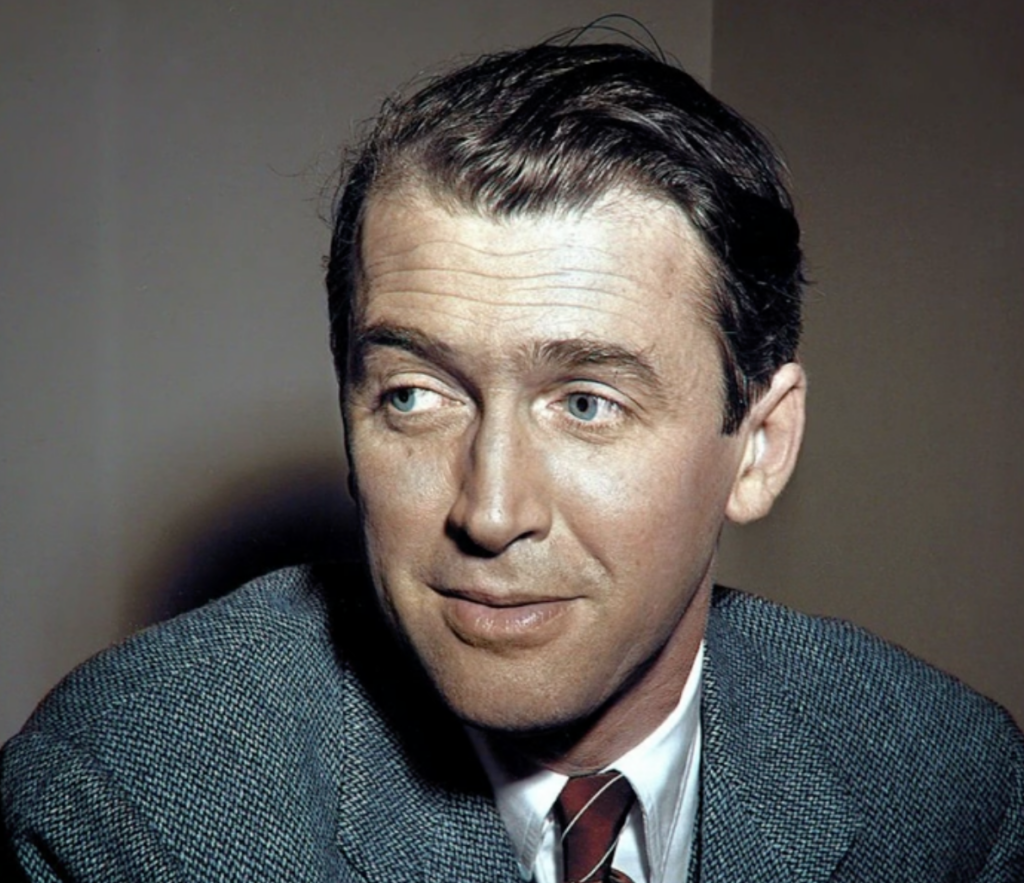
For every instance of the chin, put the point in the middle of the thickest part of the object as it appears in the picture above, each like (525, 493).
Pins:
(518, 709)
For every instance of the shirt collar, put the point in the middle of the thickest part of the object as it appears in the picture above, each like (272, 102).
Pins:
(656, 768)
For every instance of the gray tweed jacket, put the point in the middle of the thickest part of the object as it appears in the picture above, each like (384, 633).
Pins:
(238, 743)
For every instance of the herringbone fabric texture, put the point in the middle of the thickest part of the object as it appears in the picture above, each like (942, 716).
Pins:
(591, 811)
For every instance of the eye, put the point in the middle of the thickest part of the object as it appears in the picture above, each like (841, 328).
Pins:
(582, 406)
(411, 399)
(588, 407)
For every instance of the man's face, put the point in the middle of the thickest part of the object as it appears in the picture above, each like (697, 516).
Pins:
(534, 412)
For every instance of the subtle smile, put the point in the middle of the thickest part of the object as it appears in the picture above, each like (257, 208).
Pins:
(491, 621)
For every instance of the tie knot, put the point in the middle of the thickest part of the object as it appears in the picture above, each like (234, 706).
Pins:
(592, 811)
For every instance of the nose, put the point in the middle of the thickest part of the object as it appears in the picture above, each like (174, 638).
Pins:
(503, 493)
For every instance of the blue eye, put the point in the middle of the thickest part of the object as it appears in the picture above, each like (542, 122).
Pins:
(403, 399)
(412, 400)
(583, 406)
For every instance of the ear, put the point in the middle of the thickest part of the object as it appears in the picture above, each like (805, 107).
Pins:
(771, 432)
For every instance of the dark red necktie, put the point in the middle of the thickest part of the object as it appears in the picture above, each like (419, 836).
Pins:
(592, 811)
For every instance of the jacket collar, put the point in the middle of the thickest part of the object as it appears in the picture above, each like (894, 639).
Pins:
(773, 804)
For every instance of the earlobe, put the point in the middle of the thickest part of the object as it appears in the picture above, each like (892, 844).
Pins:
(772, 432)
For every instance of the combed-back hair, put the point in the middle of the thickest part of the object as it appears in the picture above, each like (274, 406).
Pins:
(554, 128)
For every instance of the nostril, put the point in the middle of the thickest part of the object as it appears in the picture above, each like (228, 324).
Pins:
(466, 544)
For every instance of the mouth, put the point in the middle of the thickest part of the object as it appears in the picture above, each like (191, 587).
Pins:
(503, 620)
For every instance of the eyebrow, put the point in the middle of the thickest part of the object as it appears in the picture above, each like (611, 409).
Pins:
(410, 340)
(567, 355)
(576, 353)
(391, 336)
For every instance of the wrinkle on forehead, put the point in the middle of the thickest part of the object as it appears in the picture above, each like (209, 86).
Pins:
(500, 263)
(496, 255)
(442, 270)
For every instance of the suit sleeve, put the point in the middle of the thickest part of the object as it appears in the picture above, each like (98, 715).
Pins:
(1005, 862)
(65, 819)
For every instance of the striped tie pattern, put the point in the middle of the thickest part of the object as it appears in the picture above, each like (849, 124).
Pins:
(592, 811)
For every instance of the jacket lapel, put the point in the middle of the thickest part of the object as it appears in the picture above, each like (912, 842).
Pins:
(413, 802)
(773, 806)
(396, 824)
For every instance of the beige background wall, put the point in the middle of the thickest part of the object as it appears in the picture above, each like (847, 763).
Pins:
(165, 388)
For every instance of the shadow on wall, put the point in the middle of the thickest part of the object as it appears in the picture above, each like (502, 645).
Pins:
(300, 514)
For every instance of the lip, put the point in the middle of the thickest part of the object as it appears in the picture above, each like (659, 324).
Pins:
(500, 620)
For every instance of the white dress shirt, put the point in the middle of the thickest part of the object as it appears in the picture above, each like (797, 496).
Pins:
(664, 771)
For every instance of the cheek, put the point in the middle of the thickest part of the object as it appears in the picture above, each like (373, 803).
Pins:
(402, 492)
(649, 504)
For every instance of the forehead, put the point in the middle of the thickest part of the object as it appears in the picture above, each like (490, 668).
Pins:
(486, 295)
(644, 247)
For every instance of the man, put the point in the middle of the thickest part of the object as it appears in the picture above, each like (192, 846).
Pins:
(565, 296)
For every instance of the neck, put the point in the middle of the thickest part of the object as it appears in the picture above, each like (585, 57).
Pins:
(628, 717)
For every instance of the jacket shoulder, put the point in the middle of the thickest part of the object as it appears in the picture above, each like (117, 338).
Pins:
(936, 769)
(229, 716)
(195, 662)
(846, 669)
